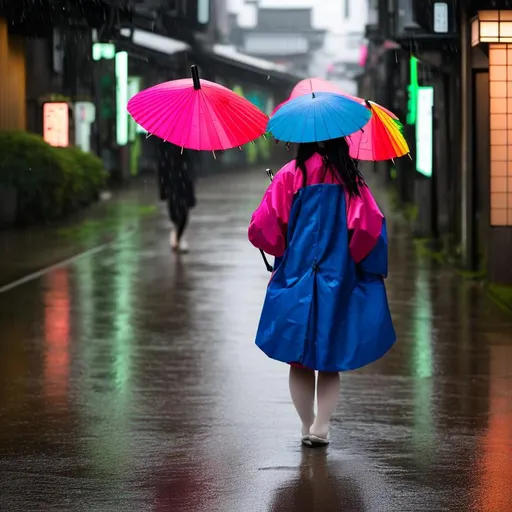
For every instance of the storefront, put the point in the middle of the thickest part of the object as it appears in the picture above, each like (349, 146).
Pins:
(154, 58)
(12, 79)
(488, 170)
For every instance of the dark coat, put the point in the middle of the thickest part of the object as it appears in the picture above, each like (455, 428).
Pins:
(176, 181)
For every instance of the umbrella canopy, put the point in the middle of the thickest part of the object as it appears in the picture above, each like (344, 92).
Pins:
(381, 139)
(317, 117)
(311, 85)
(278, 107)
(197, 114)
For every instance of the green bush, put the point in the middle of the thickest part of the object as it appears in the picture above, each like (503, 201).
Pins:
(86, 177)
(50, 182)
(95, 175)
(71, 183)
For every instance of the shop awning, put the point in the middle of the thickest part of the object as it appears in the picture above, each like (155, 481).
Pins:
(229, 55)
(152, 41)
(222, 58)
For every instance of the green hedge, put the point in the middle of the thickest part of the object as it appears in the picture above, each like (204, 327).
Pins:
(51, 182)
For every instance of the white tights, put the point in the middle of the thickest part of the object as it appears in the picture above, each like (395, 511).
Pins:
(302, 391)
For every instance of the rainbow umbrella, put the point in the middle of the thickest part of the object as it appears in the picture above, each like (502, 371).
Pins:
(381, 139)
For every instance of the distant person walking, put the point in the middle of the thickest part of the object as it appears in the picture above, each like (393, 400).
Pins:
(177, 187)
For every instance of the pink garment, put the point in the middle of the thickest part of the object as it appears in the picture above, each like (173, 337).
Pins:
(269, 223)
(363, 55)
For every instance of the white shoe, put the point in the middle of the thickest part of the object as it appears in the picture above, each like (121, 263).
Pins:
(183, 245)
(304, 433)
(174, 241)
(317, 441)
(305, 440)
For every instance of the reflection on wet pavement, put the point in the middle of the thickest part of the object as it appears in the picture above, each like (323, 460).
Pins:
(129, 381)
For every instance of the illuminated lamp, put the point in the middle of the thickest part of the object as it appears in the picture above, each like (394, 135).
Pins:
(491, 27)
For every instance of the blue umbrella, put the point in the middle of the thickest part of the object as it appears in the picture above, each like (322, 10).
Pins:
(317, 117)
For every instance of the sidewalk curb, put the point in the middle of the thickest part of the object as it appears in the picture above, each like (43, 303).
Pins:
(477, 277)
(503, 304)
(63, 263)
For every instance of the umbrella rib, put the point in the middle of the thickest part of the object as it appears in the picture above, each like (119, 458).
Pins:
(248, 122)
(335, 116)
(241, 118)
(325, 122)
(149, 101)
(213, 110)
(304, 125)
(248, 114)
(158, 122)
(175, 120)
(191, 102)
(384, 139)
(226, 127)
(171, 112)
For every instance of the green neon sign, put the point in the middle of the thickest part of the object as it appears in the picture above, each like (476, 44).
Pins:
(103, 51)
(424, 130)
(412, 89)
(121, 98)
(133, 88)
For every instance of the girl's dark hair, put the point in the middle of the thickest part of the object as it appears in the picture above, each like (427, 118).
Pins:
(336, 157)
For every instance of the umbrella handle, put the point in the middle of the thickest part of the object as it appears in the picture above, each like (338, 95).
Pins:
(270, 268)
(195, 77)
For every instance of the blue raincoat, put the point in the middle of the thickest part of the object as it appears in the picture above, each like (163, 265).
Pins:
(322, 309)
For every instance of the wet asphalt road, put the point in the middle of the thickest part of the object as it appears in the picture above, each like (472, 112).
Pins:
(129, 381)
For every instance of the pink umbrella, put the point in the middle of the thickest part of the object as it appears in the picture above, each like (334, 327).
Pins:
(311, 85)
(197, 114)
(278, 107)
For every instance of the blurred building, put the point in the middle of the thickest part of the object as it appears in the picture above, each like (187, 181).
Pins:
(45, 51)
(341, 58)
(92, 55)
(442, 67)
(284, 36)
(47, 60)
